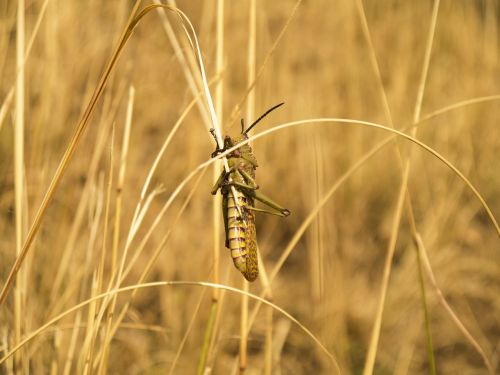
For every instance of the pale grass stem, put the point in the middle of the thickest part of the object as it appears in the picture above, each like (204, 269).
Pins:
(250, 104)
(372, 349)
(217, 201)
(116, 229)
(186, 61)
(20, 206)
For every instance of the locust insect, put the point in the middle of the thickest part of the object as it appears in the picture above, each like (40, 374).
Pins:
(238, 204)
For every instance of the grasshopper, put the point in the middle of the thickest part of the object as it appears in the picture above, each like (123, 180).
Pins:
(238, 204)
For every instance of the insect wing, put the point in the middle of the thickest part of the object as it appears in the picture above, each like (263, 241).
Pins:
(251, 244)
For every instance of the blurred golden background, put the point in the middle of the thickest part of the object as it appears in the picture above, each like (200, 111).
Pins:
(392, 63)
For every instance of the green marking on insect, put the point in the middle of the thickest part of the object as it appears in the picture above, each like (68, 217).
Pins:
(238, 204)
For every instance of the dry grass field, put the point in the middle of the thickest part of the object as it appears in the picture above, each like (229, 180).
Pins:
(390, 260)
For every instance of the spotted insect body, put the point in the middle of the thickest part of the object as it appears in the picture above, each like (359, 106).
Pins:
(239, 203)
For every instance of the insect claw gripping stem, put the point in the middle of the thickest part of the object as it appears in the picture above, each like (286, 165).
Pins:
(217, 149)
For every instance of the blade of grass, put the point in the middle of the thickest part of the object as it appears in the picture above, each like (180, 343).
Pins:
(217, 201)
(251, 42)
(20, 67)
(372, 349)
(116, 230)
(186, 61)
(422, 145)
(189, 329)
(19, 183)
(5, 106)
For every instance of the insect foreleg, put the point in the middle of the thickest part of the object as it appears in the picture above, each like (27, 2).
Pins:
(219, 182)
(268, 202)
(240, 185)
(250, 185)
(251, 182)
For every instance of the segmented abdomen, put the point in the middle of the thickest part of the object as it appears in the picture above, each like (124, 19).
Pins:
(241, 235)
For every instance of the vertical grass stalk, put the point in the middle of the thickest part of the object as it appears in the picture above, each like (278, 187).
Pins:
(252, 40)
(370, 359)
(116, 229)
(217, 201)
(19, 182)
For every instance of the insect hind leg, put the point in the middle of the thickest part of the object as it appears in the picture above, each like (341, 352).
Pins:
(281, 211)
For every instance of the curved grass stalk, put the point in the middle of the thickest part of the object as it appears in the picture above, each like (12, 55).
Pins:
(183, 183)
(186, 61)
(296, 123)
(200, 167)
(463, 103)
(381, 127)
(298, 234)
(357, 122)
(267, 292)
(168, 283)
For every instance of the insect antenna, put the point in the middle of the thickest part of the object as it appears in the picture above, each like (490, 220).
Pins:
(242, 126)
(260, 118)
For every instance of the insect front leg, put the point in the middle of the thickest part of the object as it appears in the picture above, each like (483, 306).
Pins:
(251, 182)
(217, 149)
(280, 211)
(250, 185)
(219, 183)
(240, 185)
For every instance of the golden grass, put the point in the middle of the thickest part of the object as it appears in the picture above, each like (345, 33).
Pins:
(388, 263)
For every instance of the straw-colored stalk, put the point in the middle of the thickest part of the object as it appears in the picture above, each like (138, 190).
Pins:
(372, 350)
(19, 184)
(252, 40)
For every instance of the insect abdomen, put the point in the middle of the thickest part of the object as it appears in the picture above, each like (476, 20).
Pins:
(241, 236)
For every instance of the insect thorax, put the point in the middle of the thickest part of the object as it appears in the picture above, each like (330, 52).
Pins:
(243, 154)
